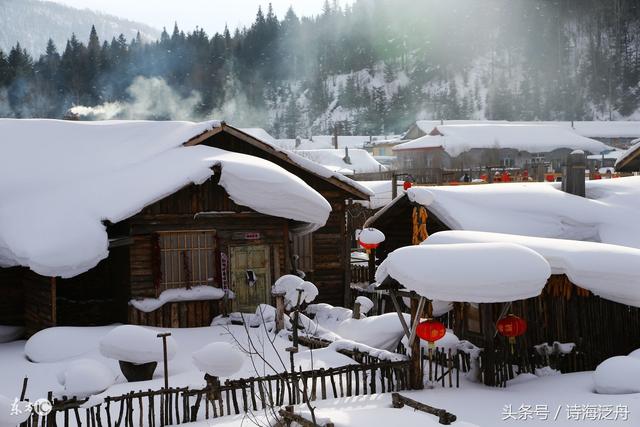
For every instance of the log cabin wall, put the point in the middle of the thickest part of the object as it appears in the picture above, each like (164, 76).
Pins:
(233, 225)
(94, 297)
(40, 310)
(330, 243)
(566, 313)
(12, 291)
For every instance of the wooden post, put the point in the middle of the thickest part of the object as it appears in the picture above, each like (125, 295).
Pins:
(356, 310)
(394, 186)
(279, 311)
(372, 265)
(164, 336)
(415, 372)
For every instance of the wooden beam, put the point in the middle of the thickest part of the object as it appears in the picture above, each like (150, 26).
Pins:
(204, 136)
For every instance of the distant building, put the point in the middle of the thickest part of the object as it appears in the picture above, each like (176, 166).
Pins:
(495, 144)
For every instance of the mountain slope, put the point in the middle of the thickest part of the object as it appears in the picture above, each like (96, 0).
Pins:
(19, 19)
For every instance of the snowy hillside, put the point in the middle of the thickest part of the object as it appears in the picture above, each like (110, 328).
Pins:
(18, 18)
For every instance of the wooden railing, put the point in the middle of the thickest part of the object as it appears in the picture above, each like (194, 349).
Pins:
(182, 405)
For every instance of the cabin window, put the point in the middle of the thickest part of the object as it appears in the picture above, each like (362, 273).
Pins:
(187, 258)
(474, 324)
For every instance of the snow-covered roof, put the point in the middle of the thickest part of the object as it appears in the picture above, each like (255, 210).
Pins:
(433, 271)
(259, 133)
(312, 166)
(351, 141)
(533, 138)
(612, 155)
(609, 271)
(590, 129)
(382, 193)
(629, 155)
(59, 180)
(608, 214)
(360, 161)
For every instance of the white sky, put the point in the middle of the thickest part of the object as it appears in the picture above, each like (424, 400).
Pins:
(208, 14)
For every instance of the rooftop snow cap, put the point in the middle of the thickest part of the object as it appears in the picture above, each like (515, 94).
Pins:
(433, 271)
(607, 214)
(609, 271)
(59, 180)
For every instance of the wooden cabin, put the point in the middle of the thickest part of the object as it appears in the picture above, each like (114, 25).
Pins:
(195, 236)
(324, 255)
(564, 312)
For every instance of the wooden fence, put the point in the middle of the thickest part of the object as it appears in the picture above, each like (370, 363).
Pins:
(248, 395)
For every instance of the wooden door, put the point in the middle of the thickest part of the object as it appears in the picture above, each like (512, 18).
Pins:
(250, 262)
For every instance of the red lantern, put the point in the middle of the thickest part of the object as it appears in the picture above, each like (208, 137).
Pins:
(407, 185)
(368, 246)
(431, 330)
(511, 327)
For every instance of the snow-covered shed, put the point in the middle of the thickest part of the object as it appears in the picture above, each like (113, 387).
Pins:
(629, 161)
(591, 243)
(146, 222)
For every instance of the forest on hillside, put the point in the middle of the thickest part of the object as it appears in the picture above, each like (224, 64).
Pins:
(371, 68)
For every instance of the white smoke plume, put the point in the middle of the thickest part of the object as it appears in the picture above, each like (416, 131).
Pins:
(151, 98)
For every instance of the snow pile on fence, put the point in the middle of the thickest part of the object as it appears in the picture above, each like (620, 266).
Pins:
(85, 173)
(349, 345)
(618, 375)
(135, 344)
(219, 359)
(292, 286)
(196, 293)
(609, 271)
(434, 271)
(384, 331)
(85, 377)
(608, 214)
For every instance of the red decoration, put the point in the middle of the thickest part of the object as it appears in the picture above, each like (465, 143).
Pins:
(431, 330)
(549, 178)
(512, 326)
(407, 185)
(368, 246)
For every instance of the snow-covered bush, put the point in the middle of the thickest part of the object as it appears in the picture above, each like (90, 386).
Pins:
(618, 375)
(11, 413)
(85, 377)
(219, 359)
(290, 285)
(135, 344)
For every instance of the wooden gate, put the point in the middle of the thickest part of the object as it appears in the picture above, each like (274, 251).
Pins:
(250, 273)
